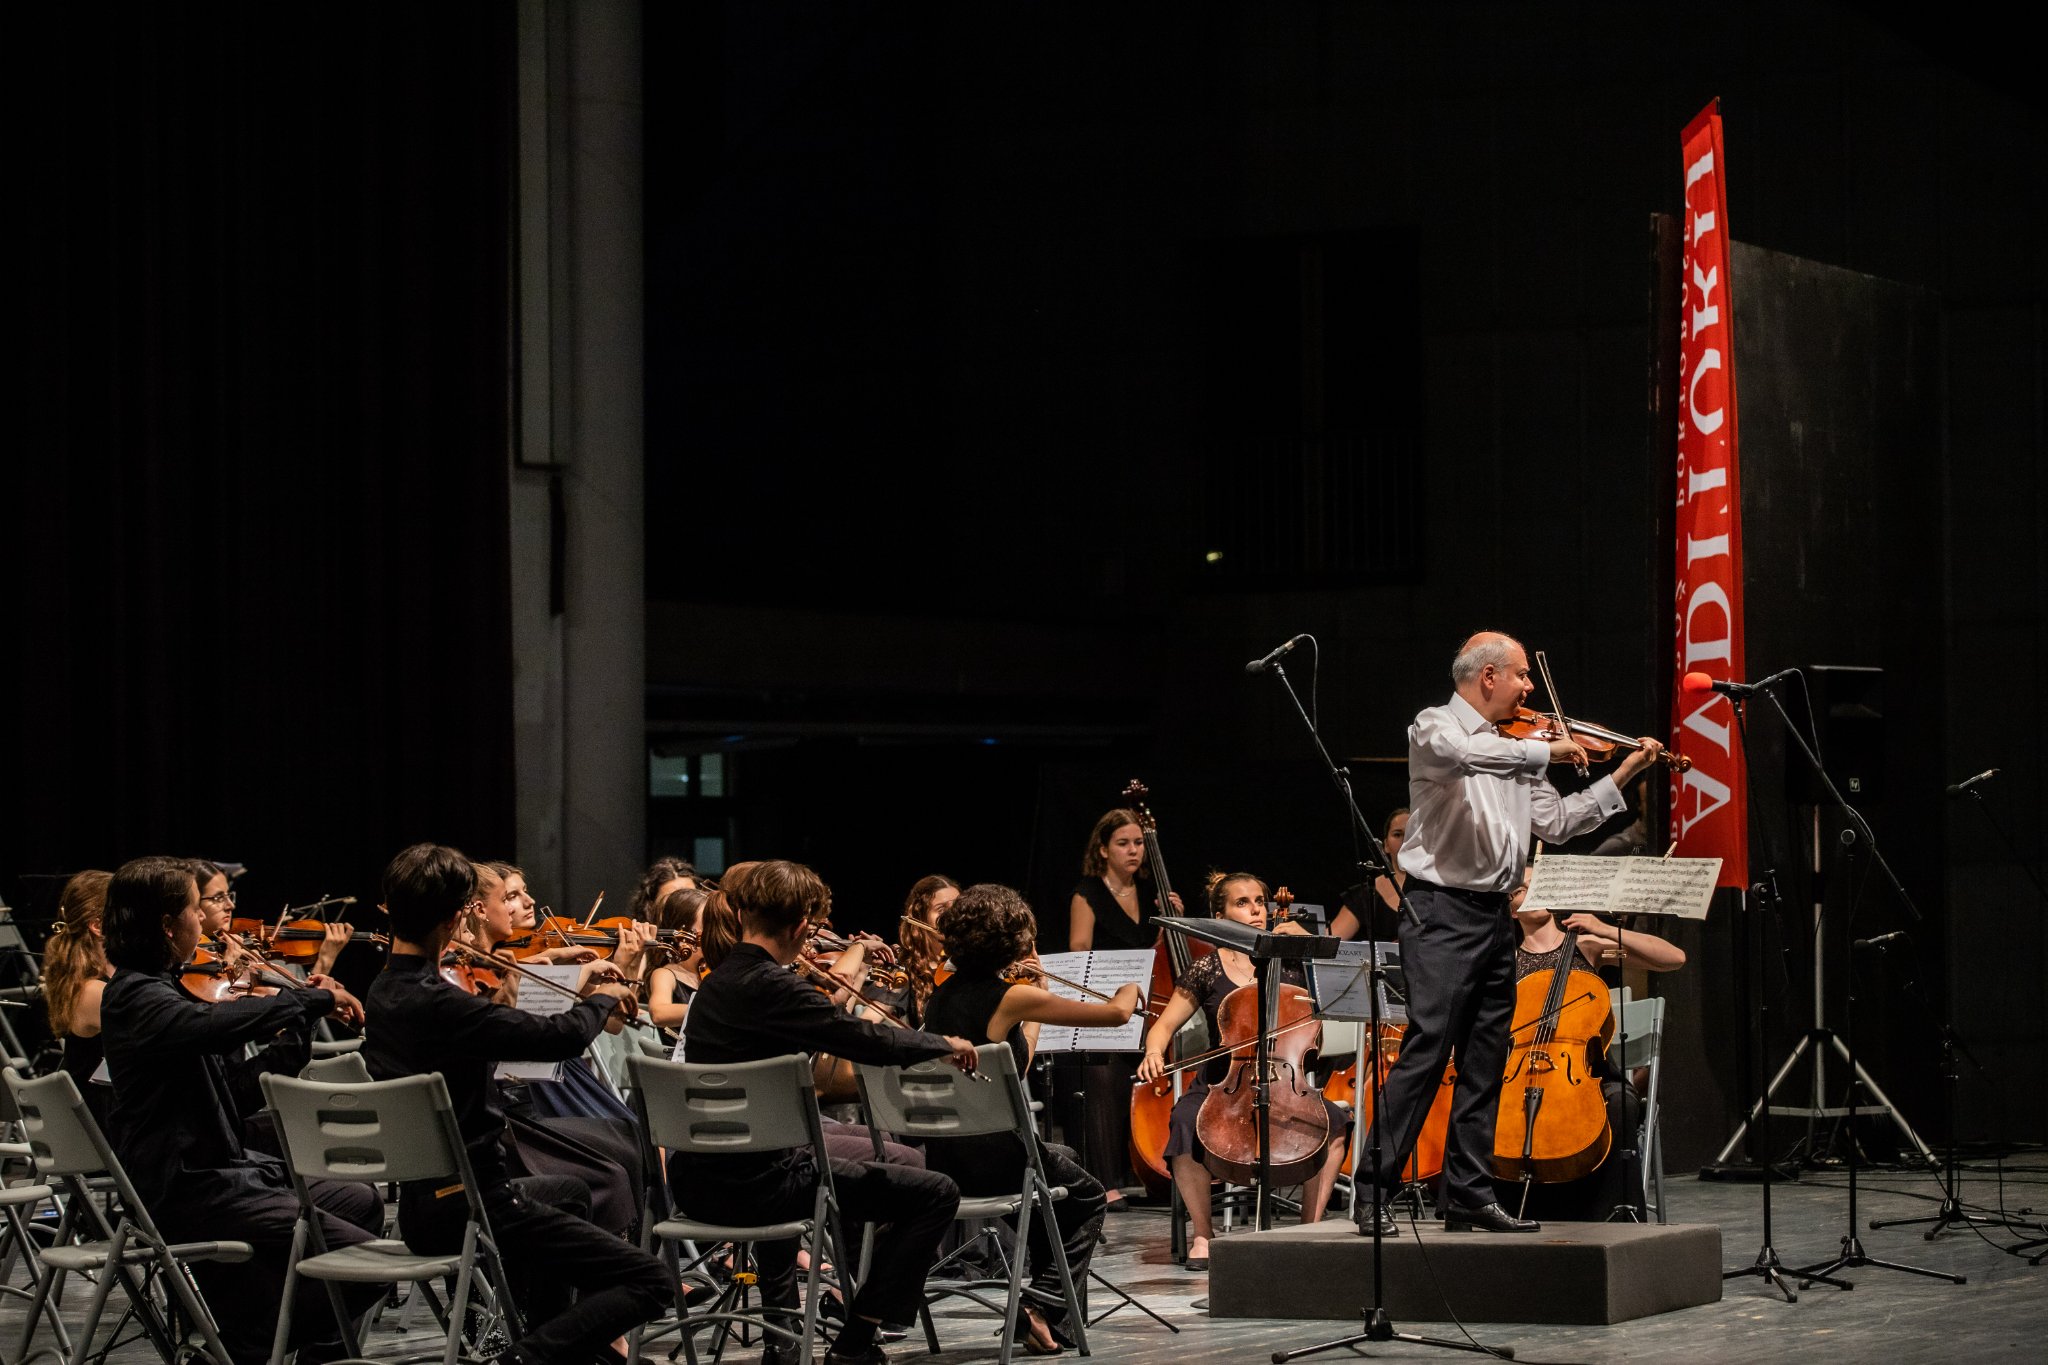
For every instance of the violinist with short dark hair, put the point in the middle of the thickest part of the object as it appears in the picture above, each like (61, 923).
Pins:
(178, 1128)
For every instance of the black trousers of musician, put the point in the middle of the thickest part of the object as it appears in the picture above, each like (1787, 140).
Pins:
(993, 1164)
(578, 1286)
(244, 1297)
(913, 1208)
(1458, 956)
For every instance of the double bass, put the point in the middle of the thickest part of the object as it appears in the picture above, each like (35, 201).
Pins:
(1172, 956)
(1553, 1114)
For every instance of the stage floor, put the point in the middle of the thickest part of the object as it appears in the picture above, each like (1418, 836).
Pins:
(2001, 1314)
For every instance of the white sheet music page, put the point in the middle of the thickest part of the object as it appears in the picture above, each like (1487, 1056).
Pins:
(538, 1000)
(1102, 971)
(1680, 887)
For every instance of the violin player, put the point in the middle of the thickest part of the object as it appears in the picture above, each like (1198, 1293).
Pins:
(752, 1007)
(541, 1222)
(1476, 798)
(1240, 897)
(988, 931)
(178, 1126)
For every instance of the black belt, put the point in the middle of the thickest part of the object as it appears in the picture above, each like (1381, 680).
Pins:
(1485, 900)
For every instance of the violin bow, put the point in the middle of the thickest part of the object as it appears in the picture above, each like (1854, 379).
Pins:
(1557, 716)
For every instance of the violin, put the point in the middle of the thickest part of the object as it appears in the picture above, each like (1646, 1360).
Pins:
(466, 974)
(294, 940)
(1599, 742)
(1553, 1115)
(209, 977)
(600, 936)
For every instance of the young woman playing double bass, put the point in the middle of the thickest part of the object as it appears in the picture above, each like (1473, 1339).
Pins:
(1241, 897)
(1111, 908)
(988, 930)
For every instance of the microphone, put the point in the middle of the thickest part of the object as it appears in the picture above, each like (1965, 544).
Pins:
(1958, 788)
(1261, 665)
(1704, 682)
(1881, 939)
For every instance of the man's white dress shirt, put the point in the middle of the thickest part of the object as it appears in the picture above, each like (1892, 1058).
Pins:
(1475, 797)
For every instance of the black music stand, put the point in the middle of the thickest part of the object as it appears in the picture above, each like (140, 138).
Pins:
(1267, 952)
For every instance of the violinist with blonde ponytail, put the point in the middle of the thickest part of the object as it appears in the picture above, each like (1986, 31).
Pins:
(75, 975)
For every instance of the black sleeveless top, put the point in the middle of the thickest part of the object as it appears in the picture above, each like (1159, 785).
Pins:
(963, 1005)
(82, 1059)
(1113, 927)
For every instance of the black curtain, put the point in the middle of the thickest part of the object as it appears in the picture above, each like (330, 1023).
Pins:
(259, 510)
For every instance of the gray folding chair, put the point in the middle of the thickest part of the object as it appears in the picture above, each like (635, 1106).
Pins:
(1642, 1024)
(381, 1131)
(69, 1149)
(938, 1100)
(337, 1068)
(766, 1106)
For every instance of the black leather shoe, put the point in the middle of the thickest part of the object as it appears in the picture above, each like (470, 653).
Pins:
(1491, 1218)
(1390, 1226)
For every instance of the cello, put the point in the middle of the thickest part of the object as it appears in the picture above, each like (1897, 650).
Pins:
(1553, 1114)
(1172, 956)
(1298, 1124)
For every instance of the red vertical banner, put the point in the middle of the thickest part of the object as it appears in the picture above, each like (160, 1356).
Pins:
(1709, 805)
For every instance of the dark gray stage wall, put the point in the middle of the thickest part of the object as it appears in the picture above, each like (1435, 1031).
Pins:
(1838, 385)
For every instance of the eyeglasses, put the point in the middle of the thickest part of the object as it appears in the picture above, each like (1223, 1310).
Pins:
(218, 898)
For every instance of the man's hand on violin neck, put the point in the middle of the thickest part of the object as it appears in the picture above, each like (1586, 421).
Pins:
(1639, 760)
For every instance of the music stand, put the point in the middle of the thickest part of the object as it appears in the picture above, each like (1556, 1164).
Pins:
(1267, 952)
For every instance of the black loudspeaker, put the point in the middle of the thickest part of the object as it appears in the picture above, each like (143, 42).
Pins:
(1848, 722)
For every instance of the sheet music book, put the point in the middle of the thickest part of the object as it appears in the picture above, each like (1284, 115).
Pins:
(539, 1000)
(1682, 887)
(1104, 971)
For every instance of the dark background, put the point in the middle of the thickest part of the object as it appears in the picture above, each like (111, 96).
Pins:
(972, 334)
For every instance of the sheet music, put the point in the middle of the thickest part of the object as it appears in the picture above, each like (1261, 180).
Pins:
(1680, 887)
(543, 1003)
(1339, 984)
(1102, 971)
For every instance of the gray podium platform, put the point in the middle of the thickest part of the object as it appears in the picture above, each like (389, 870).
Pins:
(1567, 1273)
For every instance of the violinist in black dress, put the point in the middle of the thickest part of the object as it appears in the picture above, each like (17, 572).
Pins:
(989, 931)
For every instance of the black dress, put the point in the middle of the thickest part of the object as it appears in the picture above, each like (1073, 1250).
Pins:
(1209, 986)
(992, 1163)
(1092, 1090)
(82, 1059)
(1614, 1183)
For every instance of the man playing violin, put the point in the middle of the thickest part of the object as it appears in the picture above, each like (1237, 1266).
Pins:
(425, 1024)
(1476, 798)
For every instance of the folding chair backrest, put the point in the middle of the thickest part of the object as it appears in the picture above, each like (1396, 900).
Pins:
(341, 1068)
(59, 1128)
(937, 1100)
(383, 1130)
(1341, 1037)
(1642, 1025)
(765, 1106)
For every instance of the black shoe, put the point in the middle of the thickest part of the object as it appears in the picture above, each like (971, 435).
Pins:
(1491, 1218)
(1390, 1226)
(873, 1355)
(780, 1352)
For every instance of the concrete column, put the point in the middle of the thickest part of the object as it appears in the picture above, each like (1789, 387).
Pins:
(578, 587)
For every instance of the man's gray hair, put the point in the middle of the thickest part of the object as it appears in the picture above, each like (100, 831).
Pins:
(1482, 650)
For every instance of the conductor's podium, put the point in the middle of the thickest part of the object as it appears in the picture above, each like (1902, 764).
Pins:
(1567, 1273)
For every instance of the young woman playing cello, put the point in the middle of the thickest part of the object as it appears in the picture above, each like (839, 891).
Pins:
(1240, 897)
(989, 930)
(1613, 1184)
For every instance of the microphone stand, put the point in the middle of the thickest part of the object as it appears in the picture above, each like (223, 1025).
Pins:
(1853, 1257)
(1379, 1326)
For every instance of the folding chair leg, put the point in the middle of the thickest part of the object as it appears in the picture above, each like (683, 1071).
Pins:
(1077, 1316)
(291, 1284)
(117, 1248)
(40, 1301)
(1016, 1297)
(458, 1309)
